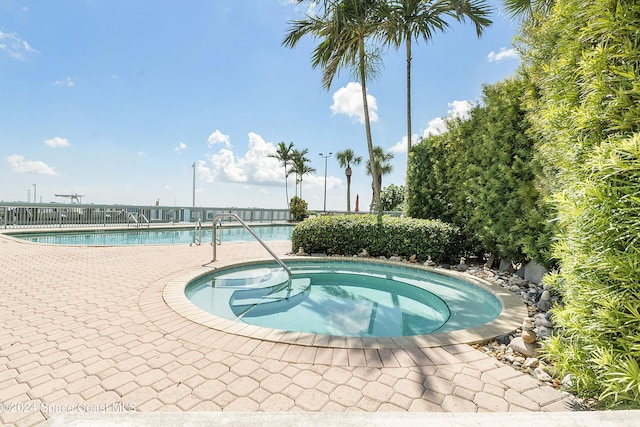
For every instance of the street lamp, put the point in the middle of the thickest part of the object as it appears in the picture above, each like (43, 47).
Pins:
(325, 179)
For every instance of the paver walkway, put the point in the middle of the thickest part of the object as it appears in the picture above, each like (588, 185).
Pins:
(85, 329)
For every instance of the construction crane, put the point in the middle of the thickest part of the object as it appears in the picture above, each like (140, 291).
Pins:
(75, 198)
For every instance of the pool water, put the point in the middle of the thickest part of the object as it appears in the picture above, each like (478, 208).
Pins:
(343, 298)
(156, 236)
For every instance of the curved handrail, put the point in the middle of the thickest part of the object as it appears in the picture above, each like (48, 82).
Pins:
(197, 239)
(246, 227)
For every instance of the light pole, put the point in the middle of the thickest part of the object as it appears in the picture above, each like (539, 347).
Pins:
(325, 179)
(194, 184)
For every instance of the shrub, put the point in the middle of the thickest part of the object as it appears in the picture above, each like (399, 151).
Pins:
(298, 208)
(379, 235)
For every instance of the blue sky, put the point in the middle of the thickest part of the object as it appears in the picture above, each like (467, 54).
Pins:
(115, 100)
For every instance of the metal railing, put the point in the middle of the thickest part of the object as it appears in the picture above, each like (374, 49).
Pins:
(197, 233)
(17, 215)
(255, 236)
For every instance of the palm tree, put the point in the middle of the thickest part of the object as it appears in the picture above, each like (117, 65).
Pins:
(408, 20)
(343, 27)
(300, 167)
(283, 154)
(345, 158)
(383, 166)
(528, 8)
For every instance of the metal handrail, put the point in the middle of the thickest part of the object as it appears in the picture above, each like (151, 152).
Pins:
(198, 227)
(246, 227)
(141, 215)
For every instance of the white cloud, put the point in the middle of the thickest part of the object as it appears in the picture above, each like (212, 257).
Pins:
(460, 110)
(225, 167)
(57, 142)
(401, 146)
(204, 172)
(255, 166)
(457, 110)
(66, 82)
(435, 127)
(348, 101)
(218, 137)
(14, 46)
(181, 147)
(502, 54)
(17, 163)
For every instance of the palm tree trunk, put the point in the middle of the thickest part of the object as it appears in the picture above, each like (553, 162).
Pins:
(374, 170)
(348, 174)
(286, 188)
(406, 180)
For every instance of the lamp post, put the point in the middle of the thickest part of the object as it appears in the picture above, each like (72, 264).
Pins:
(325, 179)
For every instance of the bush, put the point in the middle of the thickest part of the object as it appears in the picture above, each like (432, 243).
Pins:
(298, 208)
(379, 235)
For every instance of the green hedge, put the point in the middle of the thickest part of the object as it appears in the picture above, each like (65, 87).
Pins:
(379, 235)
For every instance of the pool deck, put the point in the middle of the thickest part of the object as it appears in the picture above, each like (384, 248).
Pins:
(87, 334)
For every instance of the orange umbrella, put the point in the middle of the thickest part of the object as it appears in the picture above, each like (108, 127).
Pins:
(357, 202)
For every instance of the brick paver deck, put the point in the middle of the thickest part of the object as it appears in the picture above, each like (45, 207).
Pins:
(86, 329)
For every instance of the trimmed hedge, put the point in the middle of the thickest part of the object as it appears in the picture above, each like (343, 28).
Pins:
(379, 235)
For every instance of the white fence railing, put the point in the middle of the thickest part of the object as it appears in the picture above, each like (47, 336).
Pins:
(48, 215)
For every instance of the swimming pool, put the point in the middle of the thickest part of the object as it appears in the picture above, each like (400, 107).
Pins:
(344, 298)
(154, 236)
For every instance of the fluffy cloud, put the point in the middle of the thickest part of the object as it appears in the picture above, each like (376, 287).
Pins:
(57, 142)
(401, 146)
(17, 163)
(502, 54)
(255, 166)
(348, 101)
(218, 137)
(181, 147)
(14, 46)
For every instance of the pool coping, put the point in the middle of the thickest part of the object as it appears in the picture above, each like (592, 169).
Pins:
(511, 317)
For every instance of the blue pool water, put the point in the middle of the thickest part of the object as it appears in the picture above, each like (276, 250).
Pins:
(366, 299)
(155, 236)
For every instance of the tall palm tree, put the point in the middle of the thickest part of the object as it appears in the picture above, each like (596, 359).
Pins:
(344, 27)
(407, 20)
(300, 167)
(283, 154)
(528, 8)
(345, 158)
(383, 166)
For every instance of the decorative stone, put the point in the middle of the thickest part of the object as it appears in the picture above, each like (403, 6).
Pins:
(395, 258)
(526, 349)
(301, 252)
(531, 362)
(364, 254)
(413, 258)
(533, 272)
(504, 339)
(541, 320)
(505, 264)
(528, 336)
(541, 375)
(517, 281)
(429, 262)
(544, 332)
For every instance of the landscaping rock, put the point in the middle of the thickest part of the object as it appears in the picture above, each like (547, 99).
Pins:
(526, 349)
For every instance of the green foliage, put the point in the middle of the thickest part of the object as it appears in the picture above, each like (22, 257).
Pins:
(393, 198)
(480, 176)
(298, 208)
(379, 235)
(583, 68)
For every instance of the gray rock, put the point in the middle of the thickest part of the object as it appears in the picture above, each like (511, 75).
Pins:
(531, 362)
(517, 281)
(544, 305)
(504, 339)
(505, 264)
(526, 349)
(541, 320)
(541, 375)
(544, 332)
(533, 272)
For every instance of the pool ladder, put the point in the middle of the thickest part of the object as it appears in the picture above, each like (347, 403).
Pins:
(217, 220)
(138, 219)
(197, 233)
